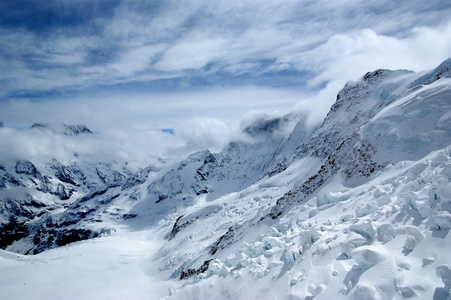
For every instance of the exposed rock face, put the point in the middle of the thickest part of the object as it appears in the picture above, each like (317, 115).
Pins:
(27, 168)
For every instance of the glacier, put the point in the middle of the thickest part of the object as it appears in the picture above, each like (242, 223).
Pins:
(357, 207)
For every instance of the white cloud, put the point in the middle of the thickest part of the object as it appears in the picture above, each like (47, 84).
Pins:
(194, 52)
(137, 59)
(137, 148)
(204, 133)
(239, 37)
(346, 57)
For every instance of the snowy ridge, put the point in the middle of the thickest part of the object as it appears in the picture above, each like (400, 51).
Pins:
(355, 208)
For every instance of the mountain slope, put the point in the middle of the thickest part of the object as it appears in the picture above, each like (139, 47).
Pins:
(349, 149)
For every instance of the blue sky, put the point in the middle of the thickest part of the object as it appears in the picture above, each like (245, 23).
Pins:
(156, 64)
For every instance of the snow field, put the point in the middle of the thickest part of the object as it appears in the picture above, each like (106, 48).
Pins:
(114, 267)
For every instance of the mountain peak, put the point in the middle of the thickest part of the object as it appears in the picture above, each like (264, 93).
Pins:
(63, 129)
(262, 126)
(376, 75)
(442, 71)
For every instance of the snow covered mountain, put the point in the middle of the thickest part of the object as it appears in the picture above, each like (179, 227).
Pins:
(358, 207)
(47, 204)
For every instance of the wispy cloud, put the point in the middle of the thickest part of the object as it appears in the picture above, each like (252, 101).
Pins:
(129, 41)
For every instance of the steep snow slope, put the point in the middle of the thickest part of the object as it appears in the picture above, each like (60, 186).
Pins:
(386, 239)
(356, 208)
